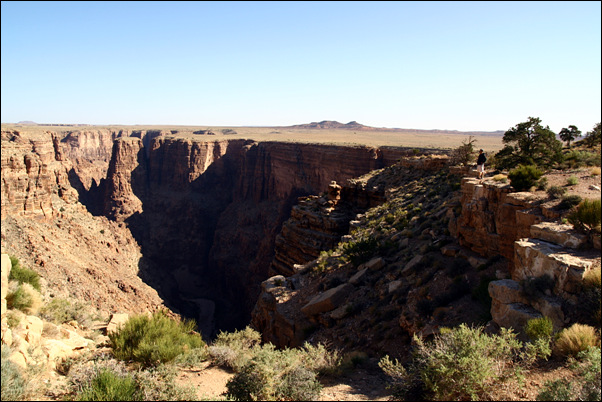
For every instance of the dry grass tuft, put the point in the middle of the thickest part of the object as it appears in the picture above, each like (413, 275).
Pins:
(575, 339)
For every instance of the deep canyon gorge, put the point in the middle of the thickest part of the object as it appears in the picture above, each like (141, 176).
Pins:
(196, 219)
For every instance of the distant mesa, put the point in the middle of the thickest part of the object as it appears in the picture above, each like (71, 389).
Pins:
(203, 132)
(28, 123)
(355, 126)
(332, 125)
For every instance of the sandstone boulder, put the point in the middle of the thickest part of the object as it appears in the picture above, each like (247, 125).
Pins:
(534, 258)
(374, 264)
(412, 263)
(328, 300)
(512, 315)
(116, 321)
(557, 233)
(506, 291)
(358, 277)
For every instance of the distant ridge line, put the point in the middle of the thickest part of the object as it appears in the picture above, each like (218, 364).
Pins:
(354, 125)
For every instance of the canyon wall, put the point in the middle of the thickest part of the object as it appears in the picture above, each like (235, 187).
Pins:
(45, 226)
(541, 253)
(207, 213)
(204, 214)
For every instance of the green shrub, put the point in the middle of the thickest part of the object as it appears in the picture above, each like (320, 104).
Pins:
(193, 357)
(576, 159)
(524, 177)
(464, 363)
(401, 379)
(587, 368)
(576, 338)
(60, 310)
(109, 386)
(587, 216)
(556, 390)
(319, 359)
(500, 177)
(159, 384)
(572, 180)
(235, 349)
(24, 275)
(14, 385)
(274, 374)
(539, 328)
(153, 340)
(556, 192)
(23, 297)
(361, 250)
(542, 184)
(569, 201)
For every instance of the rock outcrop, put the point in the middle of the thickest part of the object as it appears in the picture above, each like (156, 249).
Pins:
(49, 230)
(496, 221)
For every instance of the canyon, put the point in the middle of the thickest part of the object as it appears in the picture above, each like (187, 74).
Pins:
(188, 223)
(358, 248)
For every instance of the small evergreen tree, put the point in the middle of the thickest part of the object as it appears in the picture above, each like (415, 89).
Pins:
(569, 134)
(593, 137)
(529, 143)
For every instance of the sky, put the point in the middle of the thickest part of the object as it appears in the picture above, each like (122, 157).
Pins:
(467, 66)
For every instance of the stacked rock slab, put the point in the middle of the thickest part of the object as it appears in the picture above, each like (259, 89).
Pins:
(554, 250)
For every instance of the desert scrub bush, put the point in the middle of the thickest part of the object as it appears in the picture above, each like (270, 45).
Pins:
(465, 363)
(569, 201)
(555, 192)
(593, 278)
(576, 159)
(502, 178)
(539, 328)
(24, 297)
(587, 216)
(576, 338)
(321, 360)
(193, 357)
(14, 385)
(402, 379)
(542, 184)
(361, 250)
(524, 177)
(235, 349)
(23, 275)
(150, 384)
(572, 180)
(159, 384)
(590, 297)
(587, 368)
(595, 171)
(60, 310)
(153, 340)
(107, 385)
(273, 374)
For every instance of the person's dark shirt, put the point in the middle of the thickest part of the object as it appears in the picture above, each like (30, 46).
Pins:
(482, 158)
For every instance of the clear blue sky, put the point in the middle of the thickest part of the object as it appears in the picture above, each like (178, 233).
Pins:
(426, 65)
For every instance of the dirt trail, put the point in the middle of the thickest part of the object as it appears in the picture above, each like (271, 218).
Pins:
(359, 385)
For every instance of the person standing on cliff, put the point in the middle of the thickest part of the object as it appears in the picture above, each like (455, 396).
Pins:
(481, 164)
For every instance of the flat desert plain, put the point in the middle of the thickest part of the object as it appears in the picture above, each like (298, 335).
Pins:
(436, 139)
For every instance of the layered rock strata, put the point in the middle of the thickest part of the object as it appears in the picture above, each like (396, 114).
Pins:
(496, 221)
